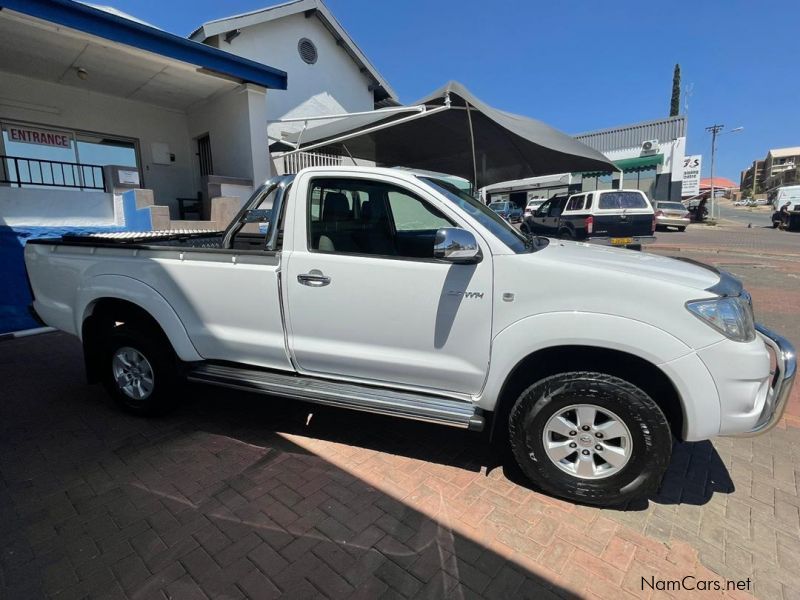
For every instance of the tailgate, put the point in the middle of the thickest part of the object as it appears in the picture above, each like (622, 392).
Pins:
(627, 225)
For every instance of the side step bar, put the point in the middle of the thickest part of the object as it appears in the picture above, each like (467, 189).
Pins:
(409, 405)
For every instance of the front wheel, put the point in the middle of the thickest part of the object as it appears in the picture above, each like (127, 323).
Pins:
(590, 437)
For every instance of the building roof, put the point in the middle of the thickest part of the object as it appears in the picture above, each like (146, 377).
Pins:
(383, 91)
(779, 152)
(721, 183)
(112, 26)
(630, 136)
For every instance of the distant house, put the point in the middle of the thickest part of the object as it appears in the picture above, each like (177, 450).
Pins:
(328, 73)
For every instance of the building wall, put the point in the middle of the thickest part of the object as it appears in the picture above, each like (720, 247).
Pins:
(38, 207)
(333, 84)
(35, 101)
(236, 125)
(669, 175)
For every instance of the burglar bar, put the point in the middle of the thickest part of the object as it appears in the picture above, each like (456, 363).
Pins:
(18, 171)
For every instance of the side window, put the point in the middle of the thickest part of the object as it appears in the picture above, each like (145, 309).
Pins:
(359, 216)
(544, 208)
(575, 203)
(411, 214)
(556, 207)
(589, 201)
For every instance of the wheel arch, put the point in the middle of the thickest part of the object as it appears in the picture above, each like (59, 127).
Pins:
(575, 357)
(120, 297)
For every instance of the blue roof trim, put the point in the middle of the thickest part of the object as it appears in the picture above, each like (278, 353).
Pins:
(117, 29)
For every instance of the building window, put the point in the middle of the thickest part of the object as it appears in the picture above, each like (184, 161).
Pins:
(37, 155)
(307, 50)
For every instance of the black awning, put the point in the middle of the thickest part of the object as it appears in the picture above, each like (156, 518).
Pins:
(506, 146)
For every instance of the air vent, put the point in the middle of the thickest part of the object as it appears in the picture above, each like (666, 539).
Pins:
(307, 50)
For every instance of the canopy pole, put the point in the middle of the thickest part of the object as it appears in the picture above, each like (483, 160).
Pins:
(472, 145)
(355, 164)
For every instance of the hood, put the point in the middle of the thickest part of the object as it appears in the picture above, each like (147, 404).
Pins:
(643, 264)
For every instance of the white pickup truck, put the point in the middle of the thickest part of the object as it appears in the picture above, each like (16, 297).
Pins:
(396, 293)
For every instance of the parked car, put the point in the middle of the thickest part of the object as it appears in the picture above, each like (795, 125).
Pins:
(532, 205)
(672, 214)
(614, 217)
(397, 293)
(508, 210)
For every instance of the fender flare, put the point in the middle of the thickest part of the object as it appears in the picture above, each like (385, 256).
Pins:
(122, 287)
(660, 348)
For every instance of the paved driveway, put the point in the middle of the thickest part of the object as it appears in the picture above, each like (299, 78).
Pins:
(244, 496)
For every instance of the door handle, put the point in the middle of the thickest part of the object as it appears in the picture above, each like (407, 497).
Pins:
(314, 278)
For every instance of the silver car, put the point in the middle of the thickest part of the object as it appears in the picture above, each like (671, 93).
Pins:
(671, 214)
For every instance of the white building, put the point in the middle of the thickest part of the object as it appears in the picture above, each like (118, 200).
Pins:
(328, 73)
(82, 88)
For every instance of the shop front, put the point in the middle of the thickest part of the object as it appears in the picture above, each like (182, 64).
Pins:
(109, 123)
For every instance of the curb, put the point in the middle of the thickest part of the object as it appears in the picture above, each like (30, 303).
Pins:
(717, 250)
(25, 333)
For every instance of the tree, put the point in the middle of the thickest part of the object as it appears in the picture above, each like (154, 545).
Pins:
(675, 103)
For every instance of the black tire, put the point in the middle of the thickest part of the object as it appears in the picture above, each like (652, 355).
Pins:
(161, 359)
(566, 234)
(650, 437)
(681, 228)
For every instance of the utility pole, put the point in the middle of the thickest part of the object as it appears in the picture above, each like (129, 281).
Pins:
(714, 129)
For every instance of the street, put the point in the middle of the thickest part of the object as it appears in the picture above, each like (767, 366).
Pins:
(236, 495)
(760, 216)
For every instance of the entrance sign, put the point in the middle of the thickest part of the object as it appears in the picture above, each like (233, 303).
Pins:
(692, 166)
(43, 137)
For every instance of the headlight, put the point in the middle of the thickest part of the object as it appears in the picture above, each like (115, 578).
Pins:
(730, 315)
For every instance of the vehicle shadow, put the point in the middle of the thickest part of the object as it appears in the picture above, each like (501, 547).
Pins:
(216, 500)
(695, 474)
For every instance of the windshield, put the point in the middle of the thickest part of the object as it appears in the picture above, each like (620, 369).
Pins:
(489, 219)
(671, 206)
(617, 200)
(498, 205)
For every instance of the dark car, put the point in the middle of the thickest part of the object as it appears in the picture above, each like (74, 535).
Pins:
(615, 217)
(508, 210)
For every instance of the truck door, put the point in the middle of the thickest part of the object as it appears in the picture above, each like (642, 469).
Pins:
(364, 297)
(538, 220)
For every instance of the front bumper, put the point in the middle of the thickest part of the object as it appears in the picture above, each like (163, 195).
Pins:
(781, 383)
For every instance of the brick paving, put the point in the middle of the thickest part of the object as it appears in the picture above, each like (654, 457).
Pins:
(240, 496)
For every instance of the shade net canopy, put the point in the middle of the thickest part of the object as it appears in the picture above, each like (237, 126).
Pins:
(506, 146)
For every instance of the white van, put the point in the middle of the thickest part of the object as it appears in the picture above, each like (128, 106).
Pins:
(789, 193)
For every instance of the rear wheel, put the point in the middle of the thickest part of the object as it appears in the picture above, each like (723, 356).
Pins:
(590, 437)
(566, 234)
(139, 370)
(683, 228)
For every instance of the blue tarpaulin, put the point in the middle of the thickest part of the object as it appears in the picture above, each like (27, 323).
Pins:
(14, 292)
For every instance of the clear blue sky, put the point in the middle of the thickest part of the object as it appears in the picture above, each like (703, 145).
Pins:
(577, 65)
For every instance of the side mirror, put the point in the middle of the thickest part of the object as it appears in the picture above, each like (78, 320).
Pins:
(456, 245)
